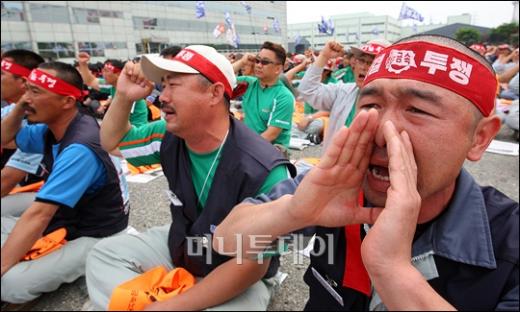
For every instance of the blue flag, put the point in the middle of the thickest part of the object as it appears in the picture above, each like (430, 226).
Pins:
(200, 9)
(228, 20)
(409, 13)
(298, 39)
(330, 26)
(326, 27)
(276, 25)
(322, 26)
(246, 6)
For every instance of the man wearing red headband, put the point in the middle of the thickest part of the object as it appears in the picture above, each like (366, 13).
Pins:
(20, 167)
(81, 200)
(410, 228)
(211, 162)
(339, 99)
(111, 71)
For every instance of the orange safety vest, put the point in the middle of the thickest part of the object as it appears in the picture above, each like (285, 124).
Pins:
(153, 285)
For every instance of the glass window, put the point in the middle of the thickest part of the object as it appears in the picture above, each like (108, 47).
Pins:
(139, 48)
(86, 16)
(92, 17)
(92, 48)
(149, 23)
(117, 14)
(154, 47)
(45, 45)
(104, 13)
(119, 45)
(16, 45)
(55, 50)
(49, 13)
(12, 11)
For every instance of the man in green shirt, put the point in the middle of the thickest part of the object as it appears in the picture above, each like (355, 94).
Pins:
(211, 162)
(107, 84)
(268, 105)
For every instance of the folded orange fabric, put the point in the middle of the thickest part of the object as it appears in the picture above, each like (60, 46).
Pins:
(156, 112)
(34, 187)
(153, 285)
(47, 244)
(142, 169)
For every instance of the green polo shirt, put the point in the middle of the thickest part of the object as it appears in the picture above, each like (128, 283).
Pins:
(271, 106)
(345, 74)
(203, 167)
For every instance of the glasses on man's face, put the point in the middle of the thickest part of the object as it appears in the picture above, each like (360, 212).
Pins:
(262, 61)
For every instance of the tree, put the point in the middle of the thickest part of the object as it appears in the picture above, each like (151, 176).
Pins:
(468, 36)
(505, 33)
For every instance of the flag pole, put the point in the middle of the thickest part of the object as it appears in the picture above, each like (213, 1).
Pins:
(252, 27)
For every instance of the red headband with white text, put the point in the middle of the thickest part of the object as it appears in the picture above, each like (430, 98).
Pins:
(205, 67)
(15, 69)
(54, 84)
(437, 65)
(372, 48)
(112, 68)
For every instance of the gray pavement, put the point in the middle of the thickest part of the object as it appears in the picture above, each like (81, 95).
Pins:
(150, 208)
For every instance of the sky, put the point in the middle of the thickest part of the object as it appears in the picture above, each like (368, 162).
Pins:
(484, 13)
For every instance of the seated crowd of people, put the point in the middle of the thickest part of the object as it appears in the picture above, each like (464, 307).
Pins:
(407, 226)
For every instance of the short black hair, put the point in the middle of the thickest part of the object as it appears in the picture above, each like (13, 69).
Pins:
(25, 58)
(278, 50)
(172, 50)
(116, 63)
(65, 72)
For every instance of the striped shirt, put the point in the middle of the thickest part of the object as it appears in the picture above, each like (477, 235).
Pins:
(141, 145)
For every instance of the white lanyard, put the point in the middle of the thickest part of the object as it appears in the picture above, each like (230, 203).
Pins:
(211, 168)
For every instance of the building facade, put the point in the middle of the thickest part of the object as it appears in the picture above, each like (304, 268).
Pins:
(358, 28)
(350, 29)
(124, 29)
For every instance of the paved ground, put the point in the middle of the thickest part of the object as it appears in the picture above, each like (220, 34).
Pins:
(150, 208)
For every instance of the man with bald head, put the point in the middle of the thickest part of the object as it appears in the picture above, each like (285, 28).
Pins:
(410, 228)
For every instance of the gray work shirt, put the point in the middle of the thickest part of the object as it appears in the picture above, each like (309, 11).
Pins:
(338, 99)
(461, 234)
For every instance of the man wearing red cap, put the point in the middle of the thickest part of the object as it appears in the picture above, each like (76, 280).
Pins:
(82, 199)
(410, 228)
(211, 161)
(339, 99)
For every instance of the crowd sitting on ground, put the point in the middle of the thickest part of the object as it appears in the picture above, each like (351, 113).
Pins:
(388, 128)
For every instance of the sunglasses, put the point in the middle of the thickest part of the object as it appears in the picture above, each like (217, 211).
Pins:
(264, 62)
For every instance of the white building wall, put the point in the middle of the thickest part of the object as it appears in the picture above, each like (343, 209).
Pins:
(65, 31)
